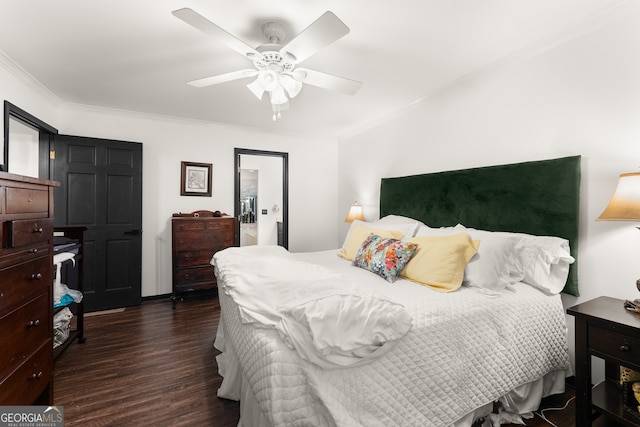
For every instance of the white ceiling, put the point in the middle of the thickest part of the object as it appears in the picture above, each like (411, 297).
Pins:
(135, 55)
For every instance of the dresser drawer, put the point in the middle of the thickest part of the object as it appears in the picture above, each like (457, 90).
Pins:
(195, 275)
(199, 240)
(23, 330)
(13, 256)
(614, 344)
(194, 258)
(225, 225)
(27, 200)
(30, 231)
(28, 381)
(23, 282)
(189, 224)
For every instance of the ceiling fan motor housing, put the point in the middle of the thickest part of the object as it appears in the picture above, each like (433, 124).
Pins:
(270, 57)
(273, 32)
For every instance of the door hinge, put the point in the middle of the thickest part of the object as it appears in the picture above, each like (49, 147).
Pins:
(52, 155)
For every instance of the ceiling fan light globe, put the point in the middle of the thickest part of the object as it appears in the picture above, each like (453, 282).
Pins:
(268, 79)
(256, 88)
(291, 85)
(278, 96)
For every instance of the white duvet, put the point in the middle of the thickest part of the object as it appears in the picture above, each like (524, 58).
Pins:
(465, 349)
(328, 319)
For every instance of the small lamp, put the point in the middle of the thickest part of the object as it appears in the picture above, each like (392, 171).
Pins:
(355, 212)
(625, 203)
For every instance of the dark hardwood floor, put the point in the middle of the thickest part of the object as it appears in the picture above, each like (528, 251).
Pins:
(146, 366)
(151, 365)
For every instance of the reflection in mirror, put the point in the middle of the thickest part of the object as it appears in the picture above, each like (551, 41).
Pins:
(248, 207)
(26, 143)
(24, 149)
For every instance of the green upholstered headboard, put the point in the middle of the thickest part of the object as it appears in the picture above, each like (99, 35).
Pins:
(538, 197)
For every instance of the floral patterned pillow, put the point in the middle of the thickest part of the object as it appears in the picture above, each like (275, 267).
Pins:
(384, 256)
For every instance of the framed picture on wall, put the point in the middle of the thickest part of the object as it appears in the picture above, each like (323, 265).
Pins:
(195, 179)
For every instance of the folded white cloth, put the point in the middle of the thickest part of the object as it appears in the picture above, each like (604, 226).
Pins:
(328, 320)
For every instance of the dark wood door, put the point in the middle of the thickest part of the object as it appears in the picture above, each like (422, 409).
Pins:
(101, 189)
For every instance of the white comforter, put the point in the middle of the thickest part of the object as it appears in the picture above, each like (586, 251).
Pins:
(465, 350)
(329, 320)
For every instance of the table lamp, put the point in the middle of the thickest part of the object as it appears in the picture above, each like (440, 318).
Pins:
(355, 212)
(625, 203)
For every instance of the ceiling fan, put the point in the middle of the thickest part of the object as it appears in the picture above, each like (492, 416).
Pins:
(276, 65)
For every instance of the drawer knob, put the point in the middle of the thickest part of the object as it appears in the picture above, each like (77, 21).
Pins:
(33, 250)
(34, 323)
(37, 230)
(35, 276)
(36, 375)
(625, 348)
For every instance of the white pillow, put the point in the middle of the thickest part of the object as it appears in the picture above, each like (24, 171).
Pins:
(541, 261)
(495, 265)
(398, 219)
(545, 261)
(425, 230)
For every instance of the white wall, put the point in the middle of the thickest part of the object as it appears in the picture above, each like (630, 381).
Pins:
(313, 169)
(579, 98)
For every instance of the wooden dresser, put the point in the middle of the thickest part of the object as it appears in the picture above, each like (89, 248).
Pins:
(195, 238)
(26, 290)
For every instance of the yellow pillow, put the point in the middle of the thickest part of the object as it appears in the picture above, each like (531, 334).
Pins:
(439, 261)
(358, 234)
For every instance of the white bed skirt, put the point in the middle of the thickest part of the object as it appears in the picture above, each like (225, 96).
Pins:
(521, 401)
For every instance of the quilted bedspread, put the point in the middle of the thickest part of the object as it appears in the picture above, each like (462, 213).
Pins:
(465, 349)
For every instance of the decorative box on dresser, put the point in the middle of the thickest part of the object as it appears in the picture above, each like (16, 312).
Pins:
(26, 290)
(196, 237)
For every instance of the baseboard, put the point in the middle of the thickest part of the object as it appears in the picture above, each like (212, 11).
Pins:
(182, 296)
(156, 297)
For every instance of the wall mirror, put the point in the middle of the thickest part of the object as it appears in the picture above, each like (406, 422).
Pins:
(26, 143)
(261, 206)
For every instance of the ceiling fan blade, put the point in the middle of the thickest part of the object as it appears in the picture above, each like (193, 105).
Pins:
(322, 32)
(222, 78)
(327, 81)
(201, 23)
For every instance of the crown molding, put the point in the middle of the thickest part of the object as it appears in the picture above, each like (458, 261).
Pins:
(28, 80)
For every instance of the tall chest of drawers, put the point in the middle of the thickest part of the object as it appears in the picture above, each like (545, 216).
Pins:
(26, 290)
(194, 241)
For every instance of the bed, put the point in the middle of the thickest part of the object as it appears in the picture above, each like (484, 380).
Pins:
(311, 339)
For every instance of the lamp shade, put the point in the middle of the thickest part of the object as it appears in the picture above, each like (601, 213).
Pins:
(291, 85)
(278, 96)
(625, 203)
(355, 212)
(256, 88)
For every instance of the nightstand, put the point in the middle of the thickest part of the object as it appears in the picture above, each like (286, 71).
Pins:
(605, 329)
